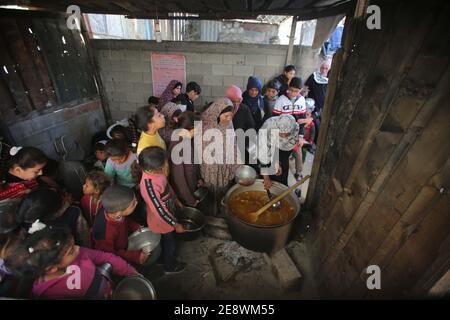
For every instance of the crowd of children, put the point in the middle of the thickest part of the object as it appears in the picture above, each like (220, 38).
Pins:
(134, 183)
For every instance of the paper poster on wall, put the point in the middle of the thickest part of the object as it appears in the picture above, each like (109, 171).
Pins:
(167, 67)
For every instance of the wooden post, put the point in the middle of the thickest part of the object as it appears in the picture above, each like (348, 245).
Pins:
(98, 79)
(291, 41)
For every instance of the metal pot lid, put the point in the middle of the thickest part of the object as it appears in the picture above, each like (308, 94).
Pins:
(143, 238)
(134, 288)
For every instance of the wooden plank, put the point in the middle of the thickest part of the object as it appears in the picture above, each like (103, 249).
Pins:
(419, 252)
(49, 54)
(35, 51)
(364, 130)
(12, 79)
(380, 210)
(7, 104)
(25, 66)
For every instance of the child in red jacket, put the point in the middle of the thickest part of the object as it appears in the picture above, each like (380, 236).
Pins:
(157, 194)
(112, 224)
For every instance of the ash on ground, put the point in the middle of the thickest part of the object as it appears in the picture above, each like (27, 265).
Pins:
(238, 256)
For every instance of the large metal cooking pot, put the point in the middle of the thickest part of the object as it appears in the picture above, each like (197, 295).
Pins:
(255, 237)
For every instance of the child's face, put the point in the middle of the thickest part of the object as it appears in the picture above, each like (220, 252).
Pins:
(101, 155)
(88, 188)
(176, 91)
(118, 135)
(158, 120)
(290, 74)
(226, 118)
(271, 93)
(293, 92)
(253, 92)
(70, 254)
(119, 159)
(192, 95)
(28, 174)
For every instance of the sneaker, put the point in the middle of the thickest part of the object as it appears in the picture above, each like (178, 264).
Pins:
(180, 267)
(298, 192)
(298, 176)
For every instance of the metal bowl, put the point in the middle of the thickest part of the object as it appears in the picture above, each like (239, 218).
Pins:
(201, 193)
(245, 175)
(143, 238)
(191, 219)
(134, 288)
(193, 222)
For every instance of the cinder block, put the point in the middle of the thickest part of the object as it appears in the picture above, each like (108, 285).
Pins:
(237, 81)
(266, 72)
(286, 271)
(136, 97)
(244, 71)
(117, 55)
(133, 55)
(147, 77)
(255, 60)
(192, 57)
(123, 86)
(146, 55)
(212, 58)
(213, 80)
(199, 69)
(194, 77)
(206, 91)
(222, 70)
(133, 77)
(237, 59)
(119, 96)
(118, 76)
(218, 91)
(129, 106)
(140, 66)
(275, 61)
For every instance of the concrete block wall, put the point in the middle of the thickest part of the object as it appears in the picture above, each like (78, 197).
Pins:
(126, 71)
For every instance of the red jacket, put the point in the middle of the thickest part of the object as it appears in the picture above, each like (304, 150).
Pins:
(112, 236)
(156, 192)
(90, 208)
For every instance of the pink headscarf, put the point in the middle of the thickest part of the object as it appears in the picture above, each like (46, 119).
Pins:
(167, 94)
(234, 93)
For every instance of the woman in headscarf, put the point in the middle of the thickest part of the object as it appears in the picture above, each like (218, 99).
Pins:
(253, 98)
(243, 118)
(171, 111)
(217, 176)
(172, 90)
(288, 138)
(285, 78)
(317, 84)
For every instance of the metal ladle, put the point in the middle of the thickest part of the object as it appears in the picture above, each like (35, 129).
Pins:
(277, 204)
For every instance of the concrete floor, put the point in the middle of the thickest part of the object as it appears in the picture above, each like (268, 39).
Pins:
(209, 276)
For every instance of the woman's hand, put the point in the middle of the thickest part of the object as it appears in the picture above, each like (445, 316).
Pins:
(179, 228)
(278, 169)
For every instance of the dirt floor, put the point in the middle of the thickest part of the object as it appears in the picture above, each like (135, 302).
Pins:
(221, 269)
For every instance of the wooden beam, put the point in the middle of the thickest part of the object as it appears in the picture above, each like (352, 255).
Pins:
(290, 49)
